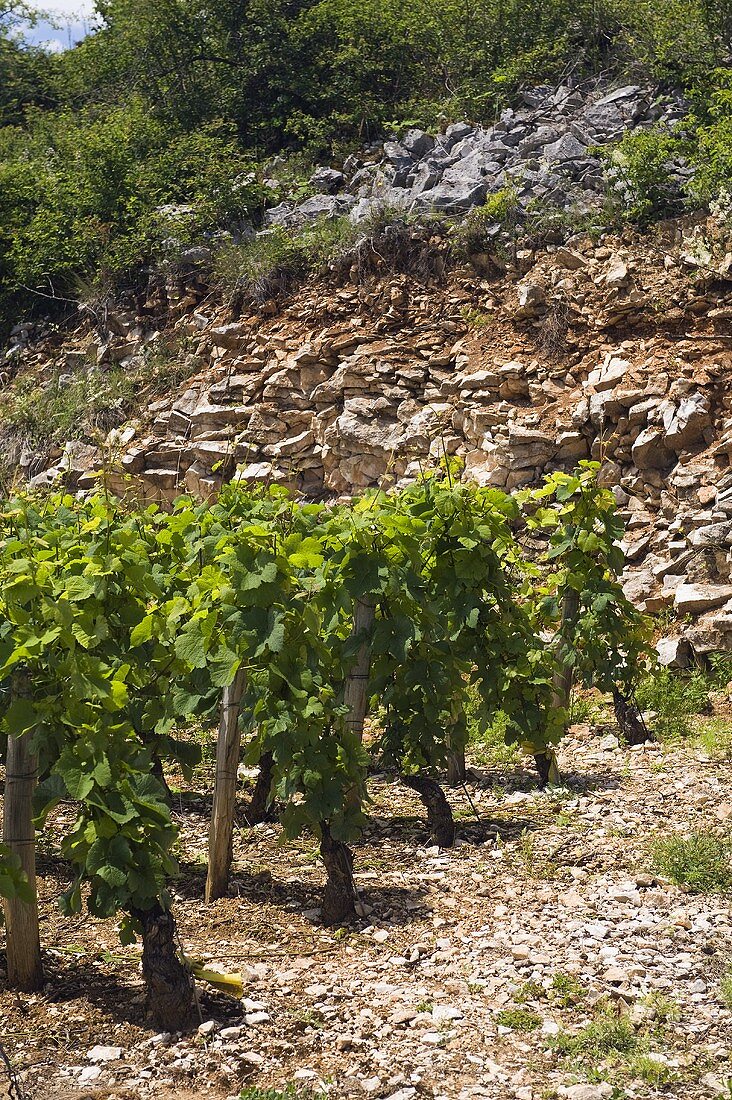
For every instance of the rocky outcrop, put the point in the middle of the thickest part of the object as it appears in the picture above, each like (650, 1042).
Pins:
(545, 151)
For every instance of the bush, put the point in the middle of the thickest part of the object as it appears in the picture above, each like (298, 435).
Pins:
(477, 232)
(713, 155)
(701, 861)
(643, 166)
(86, 195)
(518, 1019)
(51, 410)
(674, 697)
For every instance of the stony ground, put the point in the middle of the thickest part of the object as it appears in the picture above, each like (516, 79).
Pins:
(462, 979)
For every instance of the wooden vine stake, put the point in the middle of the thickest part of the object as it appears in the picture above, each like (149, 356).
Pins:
(223, 811)
(339, 897)
(25, 968)
(355, 693)
(456, 770)
(546, 763)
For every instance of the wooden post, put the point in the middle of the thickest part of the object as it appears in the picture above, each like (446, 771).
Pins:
(562, 683)
(456, 767)
(25, 968)
(355, 692)
(546, 763)
(223, 810)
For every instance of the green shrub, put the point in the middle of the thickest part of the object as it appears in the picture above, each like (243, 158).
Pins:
(725, 988)
(488, 745)
(715, 737)
(653, 1071)
(675, 697)
(701, 861)
(474, 235)
(567, 989)
(89, 194)
(642, 164)
(290, 1092)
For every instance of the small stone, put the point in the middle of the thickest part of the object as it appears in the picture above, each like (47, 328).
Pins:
(228, 1034)
(253, 1018)
(89, 1073)
(615, 975)
(441, 1013)
(586, 1092)
(208, 1027)
(104, 1054)
(432, 1038)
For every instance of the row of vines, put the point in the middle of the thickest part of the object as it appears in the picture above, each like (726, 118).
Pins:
(291, 622)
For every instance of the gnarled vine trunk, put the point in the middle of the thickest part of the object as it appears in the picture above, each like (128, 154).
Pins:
(339, 897)
(259, 808)
(630, 721)
(168, 980)
(543, 766)
(439, 813)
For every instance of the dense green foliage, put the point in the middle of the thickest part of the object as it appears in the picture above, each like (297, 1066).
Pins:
(174, 104)
(126, 624)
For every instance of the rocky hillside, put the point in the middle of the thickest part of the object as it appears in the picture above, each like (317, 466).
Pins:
(617, 350)
(515, 354)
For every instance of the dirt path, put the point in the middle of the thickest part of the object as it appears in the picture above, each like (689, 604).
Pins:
(467, 971)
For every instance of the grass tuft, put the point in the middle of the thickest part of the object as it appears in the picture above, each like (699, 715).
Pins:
(701, 861)
(518, 1019)
(606, 1034)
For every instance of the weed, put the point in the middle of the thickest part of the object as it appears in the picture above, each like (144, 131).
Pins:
(606, 1034)
(529, 991)
(424, 1006)
(567, 989)
(714, 736)
(307, 1018)
(663, 1009)
(700, 861)
(674, 697)
(725, 988)
(652, 1070)
(488, 745)
(583, 708)
(290, 1092)
(475, 318)
(518, 1019)
(275, 261)
(477, 233)
(91, 401)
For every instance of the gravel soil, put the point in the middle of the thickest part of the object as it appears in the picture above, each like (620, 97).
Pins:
(465, 976)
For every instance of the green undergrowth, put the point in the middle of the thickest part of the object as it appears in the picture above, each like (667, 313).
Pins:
(678, 698)
(488, 745)
(725, 988)
(87, 402)
(277, 260)
(701, 861)
(714, 736)
(610, 1048)
(674, 698)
